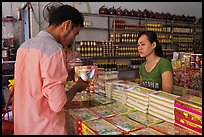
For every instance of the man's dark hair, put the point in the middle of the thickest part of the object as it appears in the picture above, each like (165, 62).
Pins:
(66, 12)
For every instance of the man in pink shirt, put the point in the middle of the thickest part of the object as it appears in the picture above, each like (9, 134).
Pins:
(40, 75)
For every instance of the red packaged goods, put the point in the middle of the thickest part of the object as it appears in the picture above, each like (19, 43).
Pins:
(100, 127)
(189, 103)
(125, 123)
(189, 125)
(188, 116)
(170, 129)
(146, 131)
(143, 118)
(7, 124)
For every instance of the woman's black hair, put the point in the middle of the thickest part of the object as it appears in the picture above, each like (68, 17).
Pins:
(66, 12)
(152, 37)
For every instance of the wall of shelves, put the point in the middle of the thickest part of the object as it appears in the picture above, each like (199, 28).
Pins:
(122, 32)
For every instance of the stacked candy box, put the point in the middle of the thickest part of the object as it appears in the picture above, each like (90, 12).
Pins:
(146, 131)
(138, 97)
(168, 128)
(161, 105)
(103, 111)
(100, 127)
(75, 118)
(125, 124)
(119, 108)
(143, 118)
(188, 112)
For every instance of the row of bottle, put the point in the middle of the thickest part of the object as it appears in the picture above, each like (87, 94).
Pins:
(182, 30)
(126, 50)
(182, 39)
(112, 66)
(135, 63)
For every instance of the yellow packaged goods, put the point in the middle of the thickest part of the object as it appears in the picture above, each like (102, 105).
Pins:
(188, 116)
(164, 97)
(188, 125)
(146, 131)
(170, 129)
(190, 103)
(100, 127)
(143, 118)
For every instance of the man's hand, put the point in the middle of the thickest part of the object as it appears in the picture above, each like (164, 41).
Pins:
(81, 84)
(71, 74)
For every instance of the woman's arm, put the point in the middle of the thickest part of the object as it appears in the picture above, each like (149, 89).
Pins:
(167, 81)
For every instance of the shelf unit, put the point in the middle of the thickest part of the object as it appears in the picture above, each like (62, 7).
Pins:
(173, 35)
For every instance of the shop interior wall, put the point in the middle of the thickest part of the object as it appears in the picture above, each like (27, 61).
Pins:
(38, 23)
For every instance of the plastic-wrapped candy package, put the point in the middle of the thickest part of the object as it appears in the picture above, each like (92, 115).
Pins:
(125, 123)
(119, 108)
(146, 131)
(143, 118)
(83, 114)
(170, 129)
(103, 111)
(100, 127)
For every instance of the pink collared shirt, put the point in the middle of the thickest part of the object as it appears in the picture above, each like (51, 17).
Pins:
(40, 74)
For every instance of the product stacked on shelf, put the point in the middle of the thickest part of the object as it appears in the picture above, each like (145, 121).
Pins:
(189, 67)
(138, 97)
(103, 111)
(102, 79)
(170, 129)
(118, 90)
(161, 105)
(188, 113)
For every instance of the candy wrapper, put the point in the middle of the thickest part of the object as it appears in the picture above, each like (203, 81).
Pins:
(170, 129)
(85, 72)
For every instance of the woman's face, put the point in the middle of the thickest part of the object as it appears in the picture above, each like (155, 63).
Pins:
(145, 48)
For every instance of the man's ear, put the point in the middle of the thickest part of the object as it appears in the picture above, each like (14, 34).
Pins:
(67, 25)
